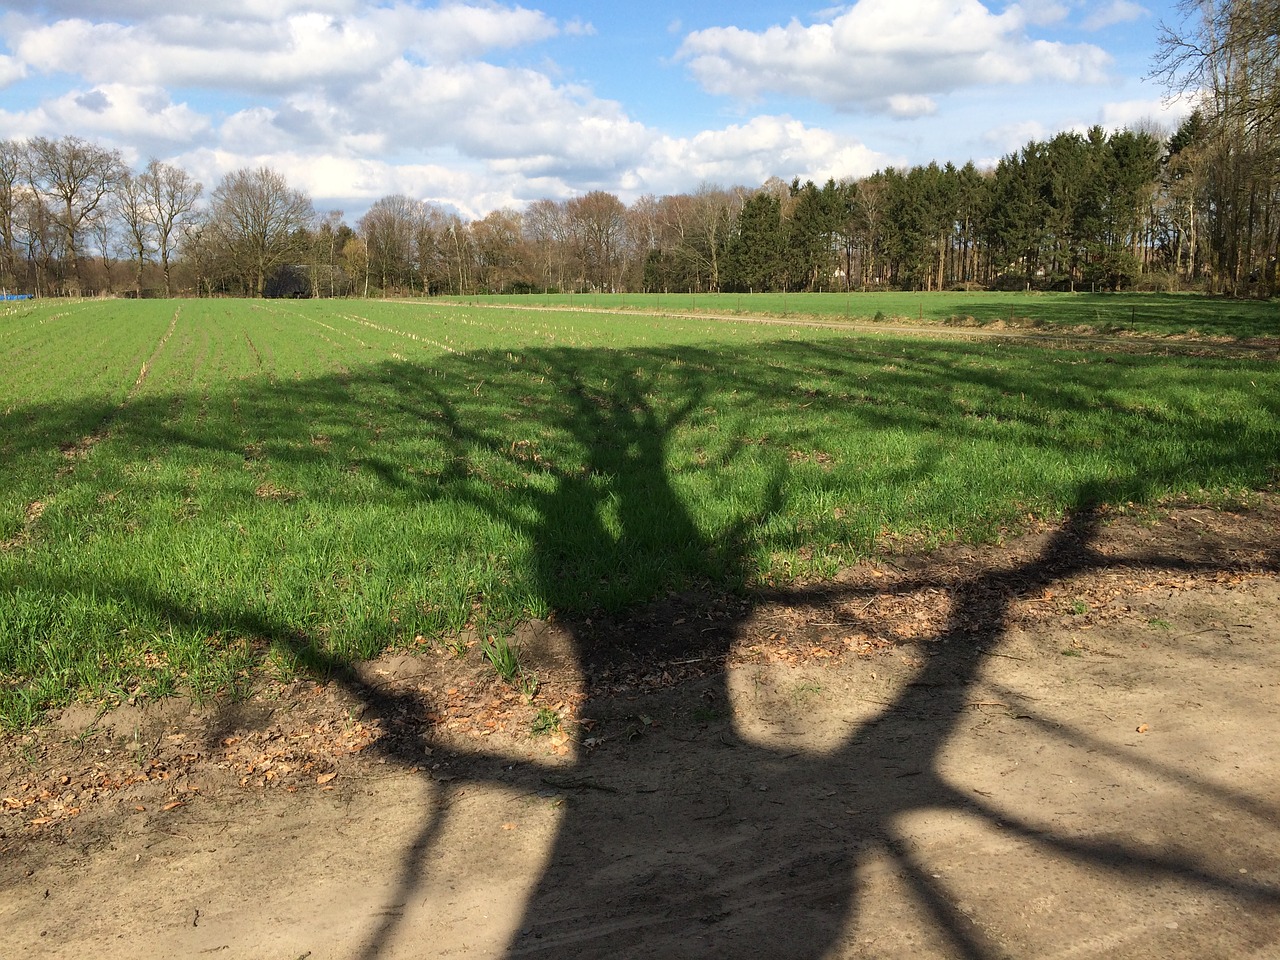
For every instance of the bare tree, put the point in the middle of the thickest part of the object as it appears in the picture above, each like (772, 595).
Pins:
(131, 206)
(77, 177)
(1228, 53)
(170, 195)
(462, 252)
(546, 229)
(200, 253)
(433, 248)
(714, 212)
(388, 229)
(37, 231)
(102, 228)
(674, 220)
(1229, 50)
(643, 233)
(327, 241)
(500, 251)
(13, 172)
(599, 224)
(260, 223)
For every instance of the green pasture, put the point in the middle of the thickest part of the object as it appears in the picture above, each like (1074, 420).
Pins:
(1148, 313)
(195, 492)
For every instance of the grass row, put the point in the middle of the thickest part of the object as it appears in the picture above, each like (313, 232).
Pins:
(299, 485)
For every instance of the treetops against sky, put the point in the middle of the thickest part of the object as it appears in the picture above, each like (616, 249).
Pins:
(478, 106)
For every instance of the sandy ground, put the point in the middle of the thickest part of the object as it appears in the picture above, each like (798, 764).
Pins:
(1066, 747)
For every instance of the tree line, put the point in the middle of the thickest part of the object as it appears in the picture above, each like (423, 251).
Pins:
(1092, 210)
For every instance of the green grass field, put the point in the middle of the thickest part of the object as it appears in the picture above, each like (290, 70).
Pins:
(1147, 313)
(194, 492)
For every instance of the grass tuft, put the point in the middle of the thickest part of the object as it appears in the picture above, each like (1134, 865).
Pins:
(546, 722)
(502, 656)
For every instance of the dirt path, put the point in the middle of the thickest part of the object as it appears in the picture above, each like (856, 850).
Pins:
(1026, 330)
(1065, 747)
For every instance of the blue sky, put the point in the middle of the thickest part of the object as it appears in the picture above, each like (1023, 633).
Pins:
(481, 105)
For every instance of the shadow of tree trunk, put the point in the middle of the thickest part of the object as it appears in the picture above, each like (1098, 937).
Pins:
(740, 873)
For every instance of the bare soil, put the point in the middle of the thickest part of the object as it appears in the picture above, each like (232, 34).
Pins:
(1064, 746)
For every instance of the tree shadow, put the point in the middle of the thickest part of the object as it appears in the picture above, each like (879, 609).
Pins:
(740, 871)
(624, 876)
(1146, 312)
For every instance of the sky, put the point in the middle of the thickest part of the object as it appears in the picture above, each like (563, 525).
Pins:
(481, 105)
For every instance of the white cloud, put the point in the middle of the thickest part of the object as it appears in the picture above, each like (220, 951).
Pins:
(1160, 114)
(254, 131)
(880, 51)
(138, 119)
(579, 28)
(11, 71)
(352, 101)
(457, 31)
(350, 182)
(908, 105)
(513, 134)
(131, 10)
(745, 154)
(499, 113)
(319, 45)
(1012, 136)
(189, 51)
(353, 183)
(1117, 11)
(1168, 112)
(750, 153)
(1043, 12)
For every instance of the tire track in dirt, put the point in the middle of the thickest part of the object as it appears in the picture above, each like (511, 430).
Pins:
(147, 364)
(73, 453)
(320, 323)
(365, 322)
(80, 449)
(39, 322)
(378, 327)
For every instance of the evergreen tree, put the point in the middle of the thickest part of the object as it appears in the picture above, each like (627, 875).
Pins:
(754, 258)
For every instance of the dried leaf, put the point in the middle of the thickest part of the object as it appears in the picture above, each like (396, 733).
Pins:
(327, 777)
(174, 805)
